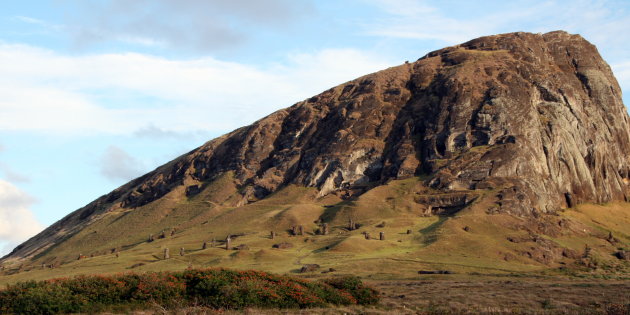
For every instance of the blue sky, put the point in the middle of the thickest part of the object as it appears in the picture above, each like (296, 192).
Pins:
(95, 93)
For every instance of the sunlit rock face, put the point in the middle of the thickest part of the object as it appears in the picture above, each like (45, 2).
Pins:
(539, 118)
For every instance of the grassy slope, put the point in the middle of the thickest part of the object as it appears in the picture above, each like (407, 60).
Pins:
(435, 242)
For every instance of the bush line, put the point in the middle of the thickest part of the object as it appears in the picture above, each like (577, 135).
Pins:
(214, 288)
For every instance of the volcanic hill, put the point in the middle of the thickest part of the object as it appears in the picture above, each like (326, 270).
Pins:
(505, 153)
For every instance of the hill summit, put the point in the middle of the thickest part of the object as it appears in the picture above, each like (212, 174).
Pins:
(518, 124)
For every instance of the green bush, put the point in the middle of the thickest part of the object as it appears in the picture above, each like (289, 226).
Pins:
(39, 298)
(214, 288)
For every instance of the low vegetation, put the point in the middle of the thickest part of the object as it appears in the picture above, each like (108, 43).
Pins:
(213, 288)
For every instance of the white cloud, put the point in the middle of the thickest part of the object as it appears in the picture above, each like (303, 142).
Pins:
(17, 222)
(597, 20)
(116, 164)
(116, 93)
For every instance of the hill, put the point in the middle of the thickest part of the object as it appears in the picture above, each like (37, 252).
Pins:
(504, 154)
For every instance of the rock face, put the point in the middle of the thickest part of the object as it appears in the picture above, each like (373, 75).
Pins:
(537, 119)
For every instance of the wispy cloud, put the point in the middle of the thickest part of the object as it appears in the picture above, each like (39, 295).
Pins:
(622, 72)
(17, 222)
(13, 176)
(30, 20)
(46, 26)
(602, 22)
(117, 164)
(196, 25)
(10, 174)
(155, 132)
(419, 20)
(598, 20)
(115, 93)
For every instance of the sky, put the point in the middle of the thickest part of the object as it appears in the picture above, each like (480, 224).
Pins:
(96, 93)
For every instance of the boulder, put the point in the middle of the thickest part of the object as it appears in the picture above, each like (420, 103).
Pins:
(309, 268)
(283, 245)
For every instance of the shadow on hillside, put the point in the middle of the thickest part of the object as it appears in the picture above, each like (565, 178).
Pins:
(331, 212)
(430, 233)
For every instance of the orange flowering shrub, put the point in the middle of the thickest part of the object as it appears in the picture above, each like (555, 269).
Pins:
(215, 288)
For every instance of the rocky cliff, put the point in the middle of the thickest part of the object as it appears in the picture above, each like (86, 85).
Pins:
(537, 120)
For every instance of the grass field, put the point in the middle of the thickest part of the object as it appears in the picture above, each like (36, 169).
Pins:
(469, 241)
(473, 245)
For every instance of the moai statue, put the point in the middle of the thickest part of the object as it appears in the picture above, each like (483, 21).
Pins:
(381, 236)
(228, 242)
(151, 238)
(587, 251)
(205, 245)
(166, 254)
(325, 229)
(273, 235)
(569, 198)
(294, 230)
(367, 235)
(301, 230)
(350, 225)
(182, 252)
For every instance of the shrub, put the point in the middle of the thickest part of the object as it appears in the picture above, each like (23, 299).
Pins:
(215, 288)
(39, 298)
(363, 294)
(163, 288)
